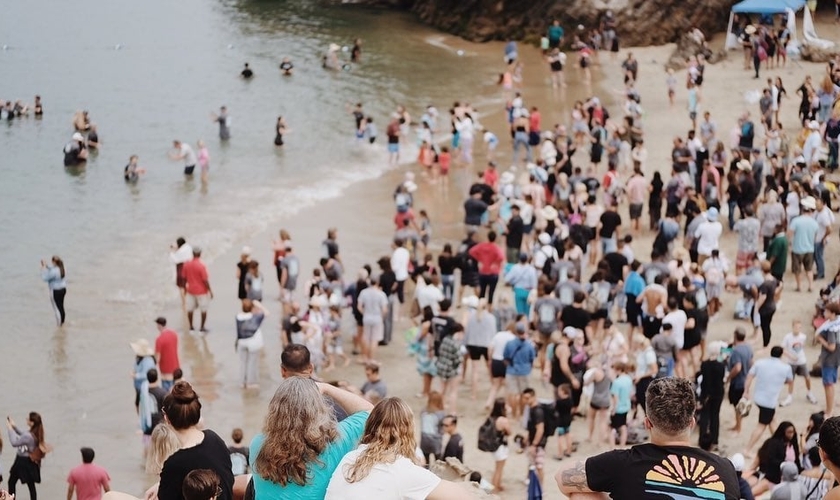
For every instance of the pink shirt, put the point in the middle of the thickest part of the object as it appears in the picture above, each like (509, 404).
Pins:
(89, 480)
(637, 189)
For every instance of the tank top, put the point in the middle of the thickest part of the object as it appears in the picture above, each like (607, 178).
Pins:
(601, 393)
(557, 375)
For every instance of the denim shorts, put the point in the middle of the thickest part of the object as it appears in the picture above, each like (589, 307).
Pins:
(829, 375)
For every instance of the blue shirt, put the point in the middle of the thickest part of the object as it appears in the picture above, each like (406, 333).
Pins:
(318, 474)
(520, 355)
(770, 374)
(52, 275)
(635, 284)
(804, 228)
(622, 389)
(141, 369)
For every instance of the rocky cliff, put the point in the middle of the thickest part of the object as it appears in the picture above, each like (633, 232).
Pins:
(640, 22)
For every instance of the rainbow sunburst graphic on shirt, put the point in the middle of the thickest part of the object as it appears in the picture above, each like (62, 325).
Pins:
(684, 477)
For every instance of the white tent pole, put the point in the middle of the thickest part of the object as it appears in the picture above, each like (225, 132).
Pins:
(729, 30)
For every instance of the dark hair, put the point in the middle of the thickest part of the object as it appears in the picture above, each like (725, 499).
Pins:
(152, 375)
(499, 408)
(670, 405)
(200, 484)
(236, 435)
(178, 374)
(529, 392)
(180, 241)
(491, 236)
(766, 450)
(37, 427)
(87, 455)
(740, 335)
(579, 297)
(181, 406)
(445, 304)
(295, 358)
(830, 439)
(59, 264)
(817, 420)
(776, 351)
(475, 477)
(814, 456)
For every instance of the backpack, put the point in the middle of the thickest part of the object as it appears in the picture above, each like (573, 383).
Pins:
(547, 316)
(488, 436)
(238, 463)
(549, 262)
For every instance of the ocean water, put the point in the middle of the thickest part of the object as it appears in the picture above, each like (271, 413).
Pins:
(150, 72)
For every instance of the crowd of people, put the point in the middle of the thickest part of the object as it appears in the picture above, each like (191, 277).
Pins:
(546, 290)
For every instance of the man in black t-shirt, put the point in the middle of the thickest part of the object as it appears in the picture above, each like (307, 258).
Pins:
(514, 235)
(443, 325)
(576, 316)
(536, 432)
(474, 209)
(667, 467)
(608, 232)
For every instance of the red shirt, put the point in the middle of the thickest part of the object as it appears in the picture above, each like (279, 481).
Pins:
(195, 273)
(400, 218)
(535, 121)
(489, 256)
(166, 347)
(491, 177)
(89, 480)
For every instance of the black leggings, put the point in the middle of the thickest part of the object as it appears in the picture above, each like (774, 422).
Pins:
(58, 305)
(766, 318)
(13, 480)
(487, 286)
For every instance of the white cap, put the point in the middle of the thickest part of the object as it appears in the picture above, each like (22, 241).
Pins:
(814, 125)
(544, 238)
(246, 250)
(809, 203)
(78, 137)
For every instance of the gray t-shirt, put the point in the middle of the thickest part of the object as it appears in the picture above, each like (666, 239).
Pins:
(828, 331)
(664, 346)
(546, 310)
(373, 300)
(770, 374)
(378, 387)
(292, 266)
(480, 329)
(741, 353)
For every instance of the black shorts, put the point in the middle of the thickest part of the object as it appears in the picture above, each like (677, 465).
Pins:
(765, 415)
(636, 210)
(358, 317)
(618, 420)
(735, 395)
(477, 352)
(498, 369)
(188, 170)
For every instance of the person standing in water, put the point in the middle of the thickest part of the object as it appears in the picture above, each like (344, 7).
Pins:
(53, 274)
(224, 123)
(180, 253)
(203, 161)
(197, 284)
(133, 171)
(184, 152)
(280, 129)
(356, 51)
(246, 72)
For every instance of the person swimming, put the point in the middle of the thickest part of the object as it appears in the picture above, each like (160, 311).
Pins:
(287, 67)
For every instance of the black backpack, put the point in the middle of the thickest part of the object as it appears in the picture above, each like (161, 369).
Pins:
(488, 436)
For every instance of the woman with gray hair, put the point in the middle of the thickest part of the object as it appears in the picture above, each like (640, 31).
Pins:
(301, 443)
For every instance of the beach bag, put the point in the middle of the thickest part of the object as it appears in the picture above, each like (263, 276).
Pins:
(550, 417)
(488, 437)
(762, 53)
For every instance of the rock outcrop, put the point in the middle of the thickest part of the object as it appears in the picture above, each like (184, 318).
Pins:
(640, 22)
(819, 54)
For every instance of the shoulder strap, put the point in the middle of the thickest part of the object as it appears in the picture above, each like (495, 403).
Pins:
(816, 485)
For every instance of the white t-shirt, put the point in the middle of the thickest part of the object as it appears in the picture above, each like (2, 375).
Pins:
(399, 263)
(189, 155)
(708, 237)
(543, 253)
(677, 319)
(794, 349)
(499, 342)
(401, 480)
(825, 218)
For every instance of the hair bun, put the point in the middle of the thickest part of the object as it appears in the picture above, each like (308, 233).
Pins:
(183, 393)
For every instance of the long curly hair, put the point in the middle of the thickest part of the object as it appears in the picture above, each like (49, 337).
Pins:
(298, 427)
(389, 434)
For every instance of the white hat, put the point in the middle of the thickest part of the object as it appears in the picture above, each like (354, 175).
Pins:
(808, 203)
(712, 214)
(737, 462)
(410, 186)
(544, 238)
(744, 165)
(470, 301)
(750, 29)
(814, 125)
(507, 178)
(549, 213)
(571, 332)
(246, 250)
(142, 347)
(548, 135)
(78, 137)
(318, 301)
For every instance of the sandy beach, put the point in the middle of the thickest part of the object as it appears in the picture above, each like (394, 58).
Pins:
(363, 218)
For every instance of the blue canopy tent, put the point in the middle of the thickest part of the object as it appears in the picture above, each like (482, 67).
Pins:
(762, 7)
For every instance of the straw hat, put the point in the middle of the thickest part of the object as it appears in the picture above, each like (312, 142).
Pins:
(744, 165)
(750, 29)
(141, 347)
(549, 213)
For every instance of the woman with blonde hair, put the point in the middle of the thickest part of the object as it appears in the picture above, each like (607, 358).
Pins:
(384, 466)
(164, 443)
(826, 94)
(301, 443)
